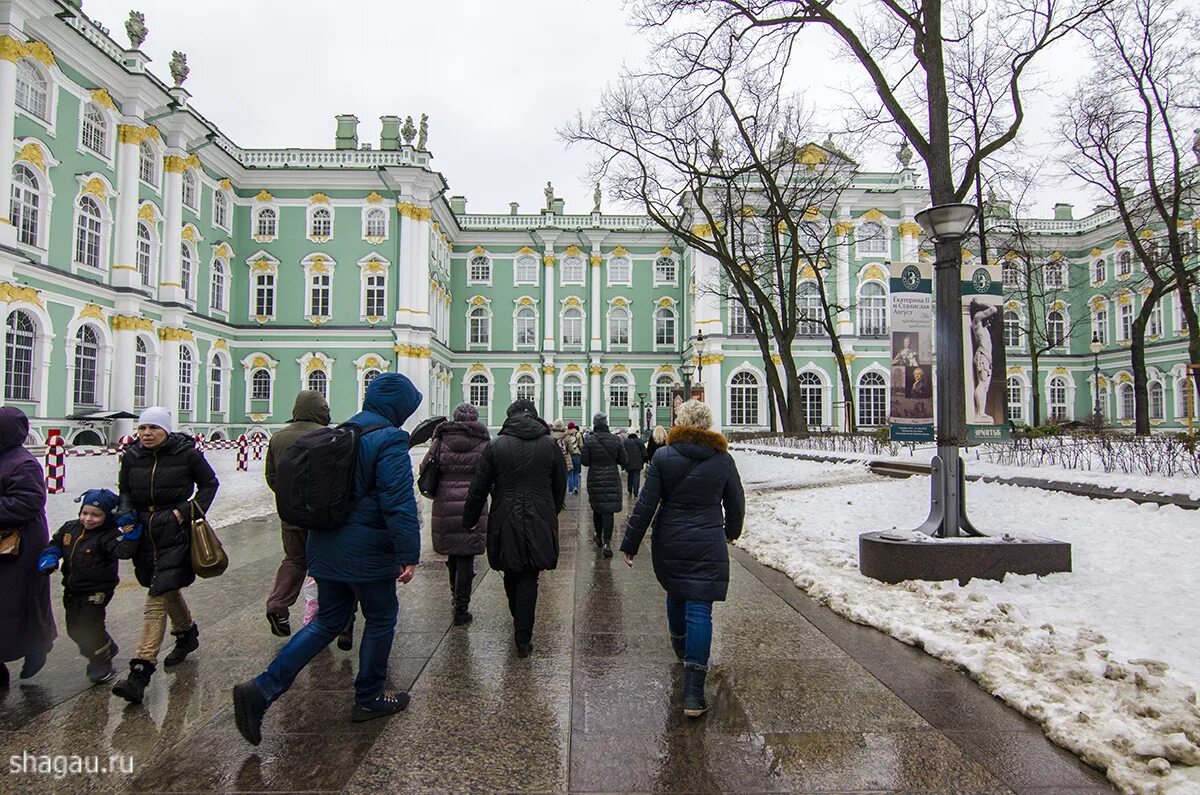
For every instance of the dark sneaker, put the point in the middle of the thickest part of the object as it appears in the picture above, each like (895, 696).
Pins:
(249, 706)
(98, 672)
(525, 649)
(186, 642)
(281, 627)
(607, 551)
(462, 617)
(385, 704)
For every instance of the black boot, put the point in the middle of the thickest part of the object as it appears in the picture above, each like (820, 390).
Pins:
(186, 642)
(133, 687)
(679, 645)
(694, 704)
(34, 662)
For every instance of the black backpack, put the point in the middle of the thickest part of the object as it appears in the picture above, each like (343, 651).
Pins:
(314, 478)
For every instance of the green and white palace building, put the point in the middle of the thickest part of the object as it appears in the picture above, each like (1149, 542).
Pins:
(147, 259)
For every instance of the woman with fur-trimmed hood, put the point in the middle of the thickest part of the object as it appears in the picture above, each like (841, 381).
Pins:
(694, 486)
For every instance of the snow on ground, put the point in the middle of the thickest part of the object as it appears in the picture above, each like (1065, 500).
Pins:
(1106, 658)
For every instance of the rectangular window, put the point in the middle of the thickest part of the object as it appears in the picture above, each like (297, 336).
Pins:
(214, 386)
(1125, 316)
(619, 270)
(572, 396)
(572, 328)
(664, 270)
(319, 295)
(526, 269)
(1100, 326)
(618, 396)
(664, 328)
(525, 329)
(1016, 400)
(738, 323)
(376, 303)
(618, 328)
(572, 270)
(264, 295)
(1154, 327)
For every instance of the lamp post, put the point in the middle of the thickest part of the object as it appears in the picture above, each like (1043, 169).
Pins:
(946, 225)
(686, 371)
(1096, 346)
(700, 345)
(641, 411)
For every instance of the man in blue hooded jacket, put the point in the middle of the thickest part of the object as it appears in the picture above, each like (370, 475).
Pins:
(379, 544)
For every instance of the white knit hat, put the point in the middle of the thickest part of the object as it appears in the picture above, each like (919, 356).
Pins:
(694, 413)
(156, 415)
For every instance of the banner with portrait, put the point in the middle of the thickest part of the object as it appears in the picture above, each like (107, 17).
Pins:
(911, 402)
(983, 355)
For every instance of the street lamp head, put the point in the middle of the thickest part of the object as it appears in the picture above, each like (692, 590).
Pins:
(947, 222)
(1096, 347)
(686, 370)
(700, 341)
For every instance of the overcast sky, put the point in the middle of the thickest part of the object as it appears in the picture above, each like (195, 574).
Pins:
(496, 78)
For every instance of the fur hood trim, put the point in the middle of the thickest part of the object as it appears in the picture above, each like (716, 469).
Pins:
(686, 434)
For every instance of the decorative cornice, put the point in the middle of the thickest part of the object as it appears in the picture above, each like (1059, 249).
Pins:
(413, 351)
(709, 358)
(131, 323)
(873, 214)
(548, 260)
(102, 98)
(549, 369)
(597, 260)
(12, 50)
(415, 212)
(910, 229)
(172, 334)
(174, 164)
(130, 134)
(595, 369)
(15, 292)
(42, 52)
(153, 132)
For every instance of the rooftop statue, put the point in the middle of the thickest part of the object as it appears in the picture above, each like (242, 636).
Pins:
(135, 29)
(905, 155)
(549, 195)
(179, 67)
(596, 196)
(408, 131)
(423, 132)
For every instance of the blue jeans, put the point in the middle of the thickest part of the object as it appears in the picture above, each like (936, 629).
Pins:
(573, 475)
(694, 619)
(336, 606)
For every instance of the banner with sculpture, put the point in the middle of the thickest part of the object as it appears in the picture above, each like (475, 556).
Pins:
(983, 355)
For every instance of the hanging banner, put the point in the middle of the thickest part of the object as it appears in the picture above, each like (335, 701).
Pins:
(983, 355)
(912, 352)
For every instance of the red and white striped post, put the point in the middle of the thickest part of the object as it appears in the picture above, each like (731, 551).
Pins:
(199, 439)
(241, 454)
(123, 444)
(258, 445)
(56, 464)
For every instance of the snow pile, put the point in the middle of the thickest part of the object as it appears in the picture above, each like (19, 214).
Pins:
(1106, 659)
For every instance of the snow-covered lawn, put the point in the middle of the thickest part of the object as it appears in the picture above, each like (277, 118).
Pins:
(1106, 658)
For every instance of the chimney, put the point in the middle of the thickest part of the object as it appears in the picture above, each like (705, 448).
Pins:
(513, 208)
(458, 204)
(1064, 212)
(346, 136)
(558, 206)
(389, 136)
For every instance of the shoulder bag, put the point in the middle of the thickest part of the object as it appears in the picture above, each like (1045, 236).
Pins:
(208, 556)
(431, 473)
(10, 542)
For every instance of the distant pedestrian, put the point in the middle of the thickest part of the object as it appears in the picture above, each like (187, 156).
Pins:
(456, 449)
(574, 440)
(524, 472)
(309, 413)
(558, 432)
(27, 628)
(657, 439)
(635, 455)
(604, 456)
(378, 545)
(694, 495)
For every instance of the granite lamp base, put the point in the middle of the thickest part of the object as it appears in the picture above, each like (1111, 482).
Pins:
(891, 557)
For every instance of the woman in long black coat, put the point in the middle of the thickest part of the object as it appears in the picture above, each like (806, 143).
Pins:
(702, 508)
(524, 473)
(604, 456)
(26, 622)
(457, 447)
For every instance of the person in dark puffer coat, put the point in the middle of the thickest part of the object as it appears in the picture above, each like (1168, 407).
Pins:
(457, 447)
(635, 455)
(160, 475)
(694, 486)
(524, 472)
(604, 456)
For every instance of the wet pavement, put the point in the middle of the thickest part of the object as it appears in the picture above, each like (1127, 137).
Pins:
(800, 699)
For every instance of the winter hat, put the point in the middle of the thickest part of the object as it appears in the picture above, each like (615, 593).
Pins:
(695, 414)
(103, 499)
(466, 412)
(522, 406)
(558, 426)
(599, 419)
(572, 426)
(157, 415)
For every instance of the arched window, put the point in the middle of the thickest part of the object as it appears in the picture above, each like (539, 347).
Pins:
(572, 327)
(1124, 263)
(1056, 329)
(89, 227)
(87, 367)
(664, 270)
(24, 209)
(1157, 400)
(872, 400)
(739, 324)
(33, 90)
(572, 270)
(19, 338)
(572, 387)
(1012, 330)
(664, 327)
(618, 392)
(662, 391)
(525, 326)
(1098, 270)
(185, 379)
(320, 293)
(94, 132)
(479, 391)
(619, 270)
(1055, 275)
(368, 376)
(526, 269)
(376, 222)
(191, 190)
(220, 209)
(145, 249)
(260, 385)
(872, 310)
(147, 164)
(187, 267)
(811, 402)
(809, 308)
(480, 269)
(872, 238)
(618, 326)
(322, 223)
(526, 387)
(265, 223)
(480, 326)
(141, 374)
(318, 381)
(743, 399)
(216, 298)
(1057, 396)
(1016, 399)
(1126, 403)
(216, 395)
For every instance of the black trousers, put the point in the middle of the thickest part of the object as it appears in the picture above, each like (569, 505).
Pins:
(635, 481)
(85, 624)
(521, 588)
(462, 576)
(603, 523)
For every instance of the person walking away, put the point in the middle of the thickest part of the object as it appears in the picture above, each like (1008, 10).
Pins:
(87, 550)
(27, 629)
(457, 447)
(635, 455)
(657, 439)
(309, 413)
(161, 475)
(378, 545)
(558, 432)
(694, 487)
(574, 442)
(524, 474)
(604, 456)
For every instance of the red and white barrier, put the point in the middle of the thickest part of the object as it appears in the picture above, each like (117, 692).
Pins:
(56, 464)
(199, 440)
(257, 439)
(241, 454)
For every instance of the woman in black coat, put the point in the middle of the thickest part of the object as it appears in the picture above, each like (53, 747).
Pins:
(524, 472)
(604, 456)
(161, 475)
(635, 455)
(702, 509)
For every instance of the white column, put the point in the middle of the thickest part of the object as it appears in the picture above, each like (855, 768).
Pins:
(168, 371)
(706, 306)
(549, 307)
(714, 387)
(548, 406)
(124, 268)
(403, 267)
(11, 50)
(170, 286)
(594, 383)
(125, 333)
(910, 233)
(598, 312)
(842, 231)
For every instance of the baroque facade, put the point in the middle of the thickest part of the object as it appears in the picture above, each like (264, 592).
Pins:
(146, 259)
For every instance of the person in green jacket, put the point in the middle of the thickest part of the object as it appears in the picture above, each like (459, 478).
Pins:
(310, 413)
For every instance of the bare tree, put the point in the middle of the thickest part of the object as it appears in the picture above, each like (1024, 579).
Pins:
(1126, 127)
